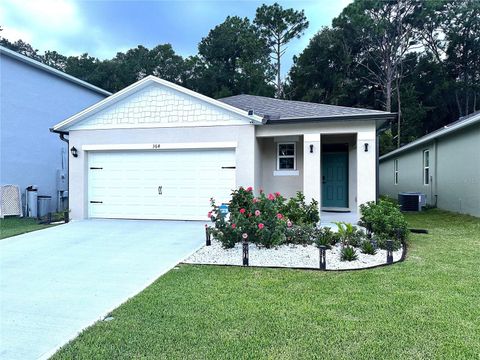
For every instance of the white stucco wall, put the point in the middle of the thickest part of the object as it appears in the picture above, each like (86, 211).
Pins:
(242, 135)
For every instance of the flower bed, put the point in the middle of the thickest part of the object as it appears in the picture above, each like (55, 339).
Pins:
(288, 256)
(285, 233)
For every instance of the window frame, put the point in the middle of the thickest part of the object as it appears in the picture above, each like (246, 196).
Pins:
(395, 171)
(426, 167)
(294, 156)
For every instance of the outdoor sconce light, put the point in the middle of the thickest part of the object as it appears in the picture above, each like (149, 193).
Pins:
(311, 148)
(365, 147)
(74, 151)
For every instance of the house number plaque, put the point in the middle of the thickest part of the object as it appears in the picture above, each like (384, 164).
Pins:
(156, 146)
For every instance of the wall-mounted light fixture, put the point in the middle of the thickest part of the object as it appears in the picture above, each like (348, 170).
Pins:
(311, 148)
(74, 151)
(365, 146)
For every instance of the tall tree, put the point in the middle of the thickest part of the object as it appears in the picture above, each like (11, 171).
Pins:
(279, 26)
(386, 33)
(463, 53)
(235, 59)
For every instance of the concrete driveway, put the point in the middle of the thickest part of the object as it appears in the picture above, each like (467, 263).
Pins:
(57, 281)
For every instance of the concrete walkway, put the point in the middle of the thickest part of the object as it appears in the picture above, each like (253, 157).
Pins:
(57, 281)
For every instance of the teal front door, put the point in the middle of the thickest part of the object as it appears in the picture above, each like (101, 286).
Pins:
(335, 179)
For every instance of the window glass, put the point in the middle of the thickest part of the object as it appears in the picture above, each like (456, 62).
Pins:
(426, 167)
(286, 156)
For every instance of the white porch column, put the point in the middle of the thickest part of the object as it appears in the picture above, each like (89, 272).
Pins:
(311, 167)
(366, 167)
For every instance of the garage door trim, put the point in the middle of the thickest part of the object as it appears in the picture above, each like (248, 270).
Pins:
(162, 146)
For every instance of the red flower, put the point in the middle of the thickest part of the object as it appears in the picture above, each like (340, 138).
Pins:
(261, 191)
(209, 214)
(257, 212)
(277, 194)
(261, 226)
(249, 189)
(242, 211)
(279, 216)
(234, 226)
(255, 200)
(271, 197)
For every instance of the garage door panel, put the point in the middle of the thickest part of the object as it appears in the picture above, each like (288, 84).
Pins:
(128, 183)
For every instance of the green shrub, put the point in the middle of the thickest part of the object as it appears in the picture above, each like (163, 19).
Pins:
(368, 248)
(384, 219)
(267, 220)
(299, 212)
(325, 236)
(348, 253)
(382, 243)
(349, 234)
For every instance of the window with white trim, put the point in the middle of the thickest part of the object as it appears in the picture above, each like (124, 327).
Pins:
(426, 167)
(395, 172)
(286, 156)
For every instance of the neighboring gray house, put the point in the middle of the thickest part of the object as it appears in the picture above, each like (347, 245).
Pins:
(156, 150)
(33, 97)
(444, 165)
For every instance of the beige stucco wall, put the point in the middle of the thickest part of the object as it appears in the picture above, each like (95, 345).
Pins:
(243, 135)
(455, 172)
(362, 165)
(287, 185)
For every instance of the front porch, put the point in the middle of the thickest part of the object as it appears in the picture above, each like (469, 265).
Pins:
(336, 168)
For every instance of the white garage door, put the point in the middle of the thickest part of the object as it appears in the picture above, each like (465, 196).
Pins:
(158, 184)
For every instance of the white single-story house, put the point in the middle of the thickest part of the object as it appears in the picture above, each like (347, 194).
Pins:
(156, 150)
(444, 165)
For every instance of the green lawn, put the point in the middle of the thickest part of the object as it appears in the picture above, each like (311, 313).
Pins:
(427, 307)
(11, 226)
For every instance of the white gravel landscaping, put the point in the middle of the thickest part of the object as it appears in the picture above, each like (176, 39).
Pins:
(295, 256)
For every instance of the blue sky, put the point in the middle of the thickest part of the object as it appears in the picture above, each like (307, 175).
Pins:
(102, 28)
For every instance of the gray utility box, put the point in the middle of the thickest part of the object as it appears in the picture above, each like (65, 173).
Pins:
(43, 205)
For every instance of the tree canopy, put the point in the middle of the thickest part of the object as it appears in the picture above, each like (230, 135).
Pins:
(420, 59)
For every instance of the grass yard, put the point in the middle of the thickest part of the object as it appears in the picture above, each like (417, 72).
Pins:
(427, 307)
(11, 226)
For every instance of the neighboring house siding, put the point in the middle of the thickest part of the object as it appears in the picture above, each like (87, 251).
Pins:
(454, 171)
(31, 101)
(458, 171)
(410, 173)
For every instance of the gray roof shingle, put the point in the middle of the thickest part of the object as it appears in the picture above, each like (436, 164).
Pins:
(282, 110)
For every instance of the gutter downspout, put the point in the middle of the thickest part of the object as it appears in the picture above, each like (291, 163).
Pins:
(62, 137)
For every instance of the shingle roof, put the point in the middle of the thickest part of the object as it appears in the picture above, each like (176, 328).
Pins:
(276, 110)
(461, 123)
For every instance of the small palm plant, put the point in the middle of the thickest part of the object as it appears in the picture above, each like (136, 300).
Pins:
(347, 232)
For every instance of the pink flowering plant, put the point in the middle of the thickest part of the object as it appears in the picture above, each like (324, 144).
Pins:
(264, 219)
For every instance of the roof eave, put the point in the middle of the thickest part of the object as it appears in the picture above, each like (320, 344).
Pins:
(291, 120)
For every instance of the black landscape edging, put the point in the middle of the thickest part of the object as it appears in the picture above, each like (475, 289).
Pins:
(402, 258)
